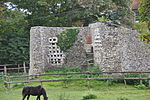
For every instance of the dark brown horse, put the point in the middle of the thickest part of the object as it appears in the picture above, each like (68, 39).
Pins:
(34, 91)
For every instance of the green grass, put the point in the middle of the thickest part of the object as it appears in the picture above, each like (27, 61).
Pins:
(78, 89)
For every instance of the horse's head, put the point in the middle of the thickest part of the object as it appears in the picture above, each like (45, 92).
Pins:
(45, 98)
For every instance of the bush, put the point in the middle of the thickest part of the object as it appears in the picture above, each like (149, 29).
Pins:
(132, 82)
(94, 69)
(141, 86)
(122, 98)
(89, 96)
(67, 38)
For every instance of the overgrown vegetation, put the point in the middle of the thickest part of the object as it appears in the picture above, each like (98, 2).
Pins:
(89, 96)
(122, 98)
(144, 25)
(67, 38)
(144, 32)
(144, 10)
(141, 86)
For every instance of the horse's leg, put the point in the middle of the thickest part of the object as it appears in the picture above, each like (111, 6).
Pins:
(28, 97)
(38, 98)
(24, 96)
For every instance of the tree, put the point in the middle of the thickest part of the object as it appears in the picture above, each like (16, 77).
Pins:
(71, 12)
(144, 11)
(14, 40)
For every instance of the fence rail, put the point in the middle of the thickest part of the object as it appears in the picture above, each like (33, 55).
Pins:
(74, 73)
(79, 79)
(89, 76)
(14, 68)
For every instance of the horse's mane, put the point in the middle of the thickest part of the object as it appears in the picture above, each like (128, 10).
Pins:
(39, 86)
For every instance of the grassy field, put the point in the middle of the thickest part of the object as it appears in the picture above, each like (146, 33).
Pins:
(77, 90)
(56, 91)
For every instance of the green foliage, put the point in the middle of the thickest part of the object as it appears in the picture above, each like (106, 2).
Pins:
(144, 32)
(68, 12)
(73, 69)
(89, 96)
(141, 86)
(94, 69)
(63, 97)
(14, 40)
(102, 19)
(132, 82)
(110, 82)
(64, 70)
(144, 29)
(67, 38)
(122, 98)
(17, 86)
(144, 10)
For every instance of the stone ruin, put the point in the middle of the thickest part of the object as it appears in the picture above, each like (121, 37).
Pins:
(113, 48)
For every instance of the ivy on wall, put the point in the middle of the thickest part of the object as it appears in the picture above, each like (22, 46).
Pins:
(67, 38)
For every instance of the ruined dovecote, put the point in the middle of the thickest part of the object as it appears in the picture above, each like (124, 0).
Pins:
(56, 56)
(112, 48)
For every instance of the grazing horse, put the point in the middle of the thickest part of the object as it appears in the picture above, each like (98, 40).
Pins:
(34, 91)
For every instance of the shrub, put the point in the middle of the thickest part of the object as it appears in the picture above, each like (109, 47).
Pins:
(67, 38)
(141, 86)
(122, 98)
(89, 96)
(94, 69)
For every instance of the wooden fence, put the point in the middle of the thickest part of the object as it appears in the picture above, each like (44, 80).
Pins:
(1, 78)
(87, 76)
(11, 68)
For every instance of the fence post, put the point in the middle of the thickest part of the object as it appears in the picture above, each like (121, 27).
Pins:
(65, 82)
(5, 81)
(125, 82)
(5, 70)
(149, 79)
(88, 82)
(24, 66)
(18, 68)
(141, 82)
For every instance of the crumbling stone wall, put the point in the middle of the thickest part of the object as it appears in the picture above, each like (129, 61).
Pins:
(119, 49)
(76, 55)
(114, 48)
(39, 48)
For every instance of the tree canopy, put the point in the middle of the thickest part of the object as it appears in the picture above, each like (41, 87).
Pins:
(14, 37)
(70, 12)
(144, 12)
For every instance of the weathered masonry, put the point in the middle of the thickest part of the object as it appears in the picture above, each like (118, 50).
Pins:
(113, 48)
(55, 55)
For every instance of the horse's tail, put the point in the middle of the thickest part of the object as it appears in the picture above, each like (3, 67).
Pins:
(43, 92)
(23, 91)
